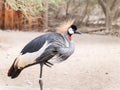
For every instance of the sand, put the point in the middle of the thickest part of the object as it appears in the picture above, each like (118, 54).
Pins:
(95, 64)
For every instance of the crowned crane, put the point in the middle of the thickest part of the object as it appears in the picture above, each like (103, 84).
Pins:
(43, 48)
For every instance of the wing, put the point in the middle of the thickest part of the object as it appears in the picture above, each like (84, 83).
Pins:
(34, 45)
(40, 49)
(38, 42)
(65, 52)
(56, 41)
(48, 54)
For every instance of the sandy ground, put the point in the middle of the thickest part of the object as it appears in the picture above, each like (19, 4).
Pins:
(95, 64)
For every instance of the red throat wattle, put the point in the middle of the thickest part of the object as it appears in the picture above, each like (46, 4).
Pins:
(70, 38)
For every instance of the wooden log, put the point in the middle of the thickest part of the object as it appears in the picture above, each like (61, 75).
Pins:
(95, 30)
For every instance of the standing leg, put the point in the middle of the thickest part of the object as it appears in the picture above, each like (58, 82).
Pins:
(41, 67)
(40, 81)
(41, 84)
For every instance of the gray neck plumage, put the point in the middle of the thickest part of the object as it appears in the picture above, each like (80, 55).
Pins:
(68, 41)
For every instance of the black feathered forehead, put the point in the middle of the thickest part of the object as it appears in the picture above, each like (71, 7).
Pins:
(73, 27)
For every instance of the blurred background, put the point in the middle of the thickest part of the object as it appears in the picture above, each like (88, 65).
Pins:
(95, 16)
(95, 64)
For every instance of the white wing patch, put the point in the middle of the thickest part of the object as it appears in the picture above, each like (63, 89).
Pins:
(29, 58)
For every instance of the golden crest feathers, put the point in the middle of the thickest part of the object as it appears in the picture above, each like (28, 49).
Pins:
(63, 27)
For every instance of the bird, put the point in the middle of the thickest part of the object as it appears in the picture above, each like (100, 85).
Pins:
(44, 48)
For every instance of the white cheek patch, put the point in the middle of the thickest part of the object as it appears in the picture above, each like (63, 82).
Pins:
(70, 30)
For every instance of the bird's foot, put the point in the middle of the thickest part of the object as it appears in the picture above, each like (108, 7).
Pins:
(48, 64)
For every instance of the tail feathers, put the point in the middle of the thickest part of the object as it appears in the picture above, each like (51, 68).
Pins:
(14, 71)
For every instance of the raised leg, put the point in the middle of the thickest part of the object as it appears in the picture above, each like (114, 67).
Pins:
(48, 64)
(40, 81)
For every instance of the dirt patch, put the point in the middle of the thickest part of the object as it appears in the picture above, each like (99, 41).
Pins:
(95, 64)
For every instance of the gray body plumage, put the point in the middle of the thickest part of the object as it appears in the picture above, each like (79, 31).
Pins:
(43, 49)
(59, 47)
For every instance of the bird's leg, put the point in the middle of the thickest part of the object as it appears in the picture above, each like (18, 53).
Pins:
(41, 67)
(41, 84)
(40, 81)
(48, 64)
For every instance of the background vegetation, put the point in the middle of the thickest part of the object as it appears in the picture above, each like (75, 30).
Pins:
(90, 15)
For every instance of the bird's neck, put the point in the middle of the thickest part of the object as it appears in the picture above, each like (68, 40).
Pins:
(68, 36)
(70, 43)
(69, 40)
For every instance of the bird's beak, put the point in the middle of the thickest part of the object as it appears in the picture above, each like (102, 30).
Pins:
(77, 32)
